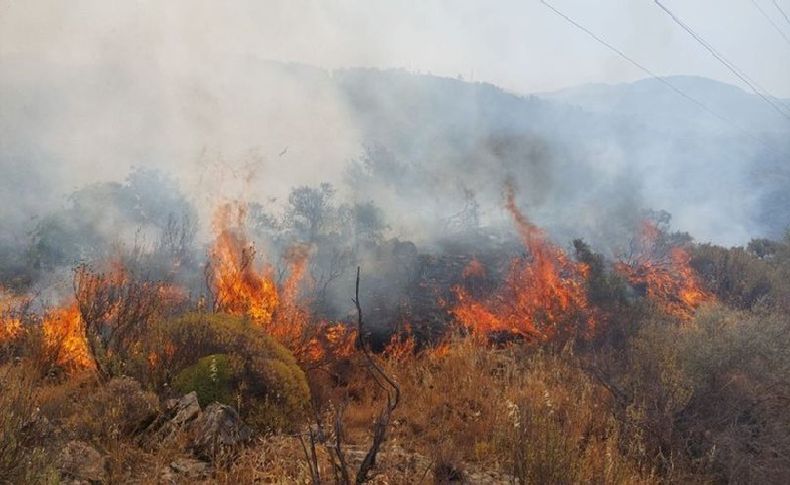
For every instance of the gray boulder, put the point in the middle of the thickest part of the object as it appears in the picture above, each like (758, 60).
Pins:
(218, 429)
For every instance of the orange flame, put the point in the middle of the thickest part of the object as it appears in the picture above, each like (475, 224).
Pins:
(402, 345)
(64, 338)
(665, 275)
(541, 297)
(242, 288)
(239, 287)
(10, 318)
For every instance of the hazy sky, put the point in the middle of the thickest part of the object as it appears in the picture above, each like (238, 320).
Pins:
(517, 44)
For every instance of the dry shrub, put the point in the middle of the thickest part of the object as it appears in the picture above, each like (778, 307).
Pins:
(108, 416)
(712, 396)
(276, 460)
(560, 428)
(23, 456)
(535, 414)
(92, 412)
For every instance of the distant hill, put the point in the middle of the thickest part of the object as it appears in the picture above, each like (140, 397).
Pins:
(587, 159)
(651, 101)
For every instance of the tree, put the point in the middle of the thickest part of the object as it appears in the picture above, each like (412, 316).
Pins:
(310, 210)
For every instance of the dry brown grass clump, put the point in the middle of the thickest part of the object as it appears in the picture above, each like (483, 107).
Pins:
(533, 415)
(23, 456)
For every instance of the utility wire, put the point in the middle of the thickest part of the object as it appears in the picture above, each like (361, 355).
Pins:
(771, 100)
(650, 73)
(776, 4)
(662, 80)
(770, 20)
(637, 64)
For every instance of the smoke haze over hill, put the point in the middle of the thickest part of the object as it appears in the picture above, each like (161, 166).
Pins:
(90, 92)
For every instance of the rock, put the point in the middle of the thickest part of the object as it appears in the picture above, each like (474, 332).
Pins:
(217, 429)
(189, 469)
(81, 462)
(178, 414)
(185, 410)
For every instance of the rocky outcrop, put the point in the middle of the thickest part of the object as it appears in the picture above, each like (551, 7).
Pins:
(218, 429)
(177, 415)
(185, 469)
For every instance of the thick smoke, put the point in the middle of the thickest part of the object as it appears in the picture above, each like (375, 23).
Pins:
(121, 127)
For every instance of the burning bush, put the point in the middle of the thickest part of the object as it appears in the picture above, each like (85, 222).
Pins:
(12, 309)
(661, 271)
(542, 298)
(242, 287)
(116, 310)
(64, 343)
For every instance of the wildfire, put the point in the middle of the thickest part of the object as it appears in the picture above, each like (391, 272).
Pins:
(542, 296)
(402, 345)
(242, 288)
(664, 275)
(10, 318)
(239, 287)
(64, 338)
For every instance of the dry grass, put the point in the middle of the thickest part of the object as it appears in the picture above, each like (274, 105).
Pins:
(533, 415)
(489, 415)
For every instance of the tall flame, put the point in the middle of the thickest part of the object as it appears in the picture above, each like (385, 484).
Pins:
(665, 274)
(543, 295)
(64, 338)
(242, 288)
(239, 287)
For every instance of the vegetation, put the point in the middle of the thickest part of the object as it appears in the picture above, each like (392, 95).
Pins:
(229, 360)
(678, 372)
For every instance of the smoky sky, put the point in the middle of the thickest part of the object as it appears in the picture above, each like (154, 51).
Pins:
(89, 89)
(519, 45)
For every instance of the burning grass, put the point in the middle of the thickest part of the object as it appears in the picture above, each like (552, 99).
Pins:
(664, 274)
(542, 297)
(559, 409)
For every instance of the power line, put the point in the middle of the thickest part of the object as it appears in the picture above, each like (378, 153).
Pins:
(662, 80)
(770, 20)
(635, 63)
(776, 4)
(647, 71)
(780, 108)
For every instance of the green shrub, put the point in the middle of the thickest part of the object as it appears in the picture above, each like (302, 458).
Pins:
(213, 378)
(229, 359)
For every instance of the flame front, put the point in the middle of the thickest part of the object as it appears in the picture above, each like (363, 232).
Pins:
(10, 318)
(542, 296)
(64, 338)
(242, 288)
(665, 276)
(239, 287)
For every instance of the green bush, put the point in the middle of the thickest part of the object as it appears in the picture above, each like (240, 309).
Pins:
(213, 378)
(230, 360)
